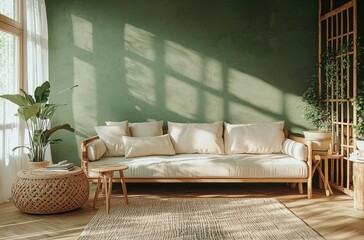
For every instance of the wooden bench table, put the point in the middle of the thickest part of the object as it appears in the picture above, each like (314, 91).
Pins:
(106, 175)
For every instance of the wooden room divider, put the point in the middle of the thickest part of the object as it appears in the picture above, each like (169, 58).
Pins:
(337, 73)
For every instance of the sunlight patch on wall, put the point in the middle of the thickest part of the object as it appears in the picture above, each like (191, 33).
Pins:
(84, 100)
(181, 97)
(294, 114)
(240, 113)
(213, 74)
(213, 107)
(183, 60)
(82, 33)
(140, 42)
(141, 81)
(259, 96)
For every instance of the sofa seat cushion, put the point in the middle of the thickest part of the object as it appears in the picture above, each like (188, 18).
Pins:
(209, 166)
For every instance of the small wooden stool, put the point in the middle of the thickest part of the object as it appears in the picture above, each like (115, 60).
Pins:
(324, 177)
(106, 174)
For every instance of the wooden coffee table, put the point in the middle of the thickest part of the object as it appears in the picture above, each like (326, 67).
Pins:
(106, 175)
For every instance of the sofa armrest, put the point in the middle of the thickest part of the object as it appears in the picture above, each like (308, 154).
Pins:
(295, 149)
(308, 144)
(84, 157)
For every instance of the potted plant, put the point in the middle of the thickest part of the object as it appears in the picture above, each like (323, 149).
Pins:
(316, 113)
(37, 114)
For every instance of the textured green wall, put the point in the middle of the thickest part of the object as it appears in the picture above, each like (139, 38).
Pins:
(189, 61)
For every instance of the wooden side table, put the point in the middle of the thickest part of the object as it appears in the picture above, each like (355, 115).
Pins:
(358, 181)
(319, 158)
(106, 174)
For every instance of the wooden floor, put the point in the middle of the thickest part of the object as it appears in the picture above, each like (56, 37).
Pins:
(333, 217)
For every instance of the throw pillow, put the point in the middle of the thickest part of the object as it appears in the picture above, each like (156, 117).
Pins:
(196, 137)
(254, 138)
(123, 124)
(146, 129)
(112, 137)
(148, 146)
(95, 150)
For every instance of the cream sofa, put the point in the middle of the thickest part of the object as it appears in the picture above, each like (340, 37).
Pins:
(202, 158)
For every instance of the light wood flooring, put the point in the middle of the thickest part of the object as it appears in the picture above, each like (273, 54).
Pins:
(333, 217)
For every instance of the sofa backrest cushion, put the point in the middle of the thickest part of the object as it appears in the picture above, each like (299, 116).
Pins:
(146, 129)
(148, 146)
(112, 137)
(196, 137)
(123, 124)
(254, 138)
(142, 129)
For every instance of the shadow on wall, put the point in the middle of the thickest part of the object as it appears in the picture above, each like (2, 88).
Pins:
(175, 66)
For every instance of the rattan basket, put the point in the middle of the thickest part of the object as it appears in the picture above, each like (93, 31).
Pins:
(45, 192)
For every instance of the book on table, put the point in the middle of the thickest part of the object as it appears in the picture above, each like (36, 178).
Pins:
(60, 167)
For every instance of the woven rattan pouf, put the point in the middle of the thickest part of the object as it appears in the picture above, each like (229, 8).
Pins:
(46, 192)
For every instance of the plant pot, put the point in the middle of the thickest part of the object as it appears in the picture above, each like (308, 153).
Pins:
(37, 165)
(360, 146)
(321, 141)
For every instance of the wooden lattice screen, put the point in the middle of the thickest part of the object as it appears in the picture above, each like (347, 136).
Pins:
(338, 37)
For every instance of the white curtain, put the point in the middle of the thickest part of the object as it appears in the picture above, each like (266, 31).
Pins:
(12, 132)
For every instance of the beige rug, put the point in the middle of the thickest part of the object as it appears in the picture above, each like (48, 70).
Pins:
(197, 218)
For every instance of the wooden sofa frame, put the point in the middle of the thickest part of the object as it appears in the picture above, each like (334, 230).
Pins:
(294, 181)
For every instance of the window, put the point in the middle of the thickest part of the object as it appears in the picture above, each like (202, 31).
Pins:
(10, 72)
(10, 9)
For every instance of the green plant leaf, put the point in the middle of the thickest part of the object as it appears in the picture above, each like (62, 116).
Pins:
(29, 112)
(18, 99)
(21, 147)
(65, 90)
(28, 97)
(37, 138)
(49, 132)
(46, 111)
(41, 93)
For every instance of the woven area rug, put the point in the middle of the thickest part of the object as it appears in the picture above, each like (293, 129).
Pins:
(197, 218)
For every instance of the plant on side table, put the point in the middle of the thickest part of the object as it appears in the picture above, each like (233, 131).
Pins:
(37, 114)
(317, 114)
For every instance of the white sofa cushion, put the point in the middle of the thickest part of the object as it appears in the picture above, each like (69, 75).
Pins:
(196, 137)
(123, 124)
(254, 138)
(146, 129)
(210, 166)
(95, 150)
(112, 137)
(295, 149)
(148, 146)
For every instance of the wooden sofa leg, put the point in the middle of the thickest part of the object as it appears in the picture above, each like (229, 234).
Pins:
(309, 189)
(300, 188)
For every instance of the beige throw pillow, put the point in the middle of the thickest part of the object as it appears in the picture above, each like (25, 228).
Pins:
(95, 150)
(148, 146)
(112, 137)
(146, 129)
(196, 137)
(123, 124)
(254, 138)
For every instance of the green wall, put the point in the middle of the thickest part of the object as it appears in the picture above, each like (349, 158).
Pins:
(189, 61)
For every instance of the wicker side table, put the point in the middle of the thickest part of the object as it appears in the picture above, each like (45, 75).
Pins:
(46, 192)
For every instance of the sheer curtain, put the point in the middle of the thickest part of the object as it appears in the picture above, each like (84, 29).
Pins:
(12, 132)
